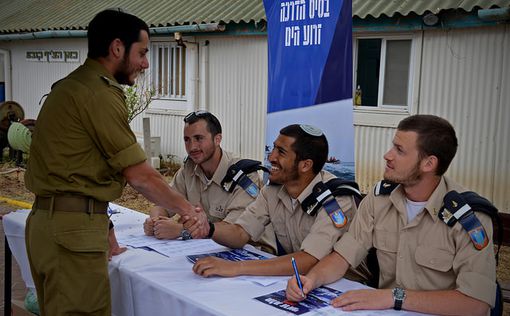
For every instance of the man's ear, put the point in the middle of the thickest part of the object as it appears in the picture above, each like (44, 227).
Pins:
(429, 164)
(305, 165)
(217, 139)
(117, 49)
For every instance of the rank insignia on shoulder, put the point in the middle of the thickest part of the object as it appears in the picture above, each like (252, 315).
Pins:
(111, 82)
(384, 187)
(237, 174)
(456, 209)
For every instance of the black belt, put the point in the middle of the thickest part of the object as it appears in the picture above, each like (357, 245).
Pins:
(70, 203)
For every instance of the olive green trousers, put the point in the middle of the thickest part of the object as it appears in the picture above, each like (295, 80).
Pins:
(68, 259)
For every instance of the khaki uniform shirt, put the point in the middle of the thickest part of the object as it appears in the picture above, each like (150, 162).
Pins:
(82, 140)
(425, 254)
(295, 229)
(219, 204)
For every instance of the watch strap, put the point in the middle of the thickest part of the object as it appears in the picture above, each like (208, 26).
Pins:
(211, 230)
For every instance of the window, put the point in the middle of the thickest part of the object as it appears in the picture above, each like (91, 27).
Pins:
(383, 72)
(169, 71)
(171, 68)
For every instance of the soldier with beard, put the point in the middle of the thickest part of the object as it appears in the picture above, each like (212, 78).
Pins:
(200, 181)
(82, 154)
(429, 261)
(297, 159)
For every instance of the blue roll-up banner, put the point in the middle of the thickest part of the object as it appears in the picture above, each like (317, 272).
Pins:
(310, 73)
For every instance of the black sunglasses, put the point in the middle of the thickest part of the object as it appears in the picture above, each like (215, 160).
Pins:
(195, 114)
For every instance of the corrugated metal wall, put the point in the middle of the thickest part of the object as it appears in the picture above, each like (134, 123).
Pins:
(465, 78)
(370, 144)
(238, 92)
(237, 84)
(31, 80)
(462, 82)
(501, 190)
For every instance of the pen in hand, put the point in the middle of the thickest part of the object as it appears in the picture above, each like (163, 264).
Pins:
(298, 279)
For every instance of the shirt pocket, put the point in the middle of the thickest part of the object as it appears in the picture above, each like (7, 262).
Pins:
(434, 258)
(84, 240)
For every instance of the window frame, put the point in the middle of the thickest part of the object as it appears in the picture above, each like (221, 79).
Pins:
(169, 105)
(386, 115)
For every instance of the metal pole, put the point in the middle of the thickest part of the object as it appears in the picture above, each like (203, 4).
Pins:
(7, 278)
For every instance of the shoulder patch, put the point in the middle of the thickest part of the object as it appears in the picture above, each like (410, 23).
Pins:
(237, 174)
(384, 187)
(456, 209)
(323, 195)
(112, 83)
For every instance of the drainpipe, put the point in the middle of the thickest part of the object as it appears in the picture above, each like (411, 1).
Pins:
(7, 74)
(204, 75)
(206, 27)
(496, 14)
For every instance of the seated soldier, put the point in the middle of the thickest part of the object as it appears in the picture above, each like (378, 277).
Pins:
(303, 232)
(431, 259)
(200, 180)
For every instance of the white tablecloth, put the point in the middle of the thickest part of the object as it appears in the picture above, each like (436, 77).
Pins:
(144, 282)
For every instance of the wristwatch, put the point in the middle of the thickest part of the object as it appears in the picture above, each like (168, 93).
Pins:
(399, 295)
(185, 234)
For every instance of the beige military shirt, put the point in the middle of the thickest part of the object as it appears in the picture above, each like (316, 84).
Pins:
(82, 140)
(219, 204)
(425, 254)
(295, 229)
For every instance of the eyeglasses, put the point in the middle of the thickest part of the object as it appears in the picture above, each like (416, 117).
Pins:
(195, 114)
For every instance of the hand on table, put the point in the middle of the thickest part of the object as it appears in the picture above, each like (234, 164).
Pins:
(166, 228)
(212, 266)
(364, 299)
(148, 226)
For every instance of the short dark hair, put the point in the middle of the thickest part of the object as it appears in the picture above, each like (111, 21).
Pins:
(436, 136)
(110, 24)
(213, 124)
(307, 145)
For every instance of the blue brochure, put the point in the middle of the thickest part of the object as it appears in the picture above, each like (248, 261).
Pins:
(232, 255)
(318, 298)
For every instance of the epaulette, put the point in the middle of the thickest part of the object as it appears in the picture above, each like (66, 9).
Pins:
(112, 83)
(238, 174)
(384, 187)
(323, 195)
(461, 207)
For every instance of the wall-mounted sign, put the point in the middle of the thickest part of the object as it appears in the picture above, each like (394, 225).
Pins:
(68, 56)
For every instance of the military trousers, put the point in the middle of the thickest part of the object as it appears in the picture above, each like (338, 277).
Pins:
(68, 255)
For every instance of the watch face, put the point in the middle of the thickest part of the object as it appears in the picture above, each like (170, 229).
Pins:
(185, 235)
(398, 293)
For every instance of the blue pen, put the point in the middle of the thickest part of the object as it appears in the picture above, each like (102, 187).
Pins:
(298, 279)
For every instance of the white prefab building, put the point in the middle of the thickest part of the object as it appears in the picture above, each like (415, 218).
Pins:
(437, 57)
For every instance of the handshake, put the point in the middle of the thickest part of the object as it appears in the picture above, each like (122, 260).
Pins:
(191, 225)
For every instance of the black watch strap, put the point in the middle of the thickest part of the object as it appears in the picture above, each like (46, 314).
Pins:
(211, 230)
(398, 305)
(399, 295)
